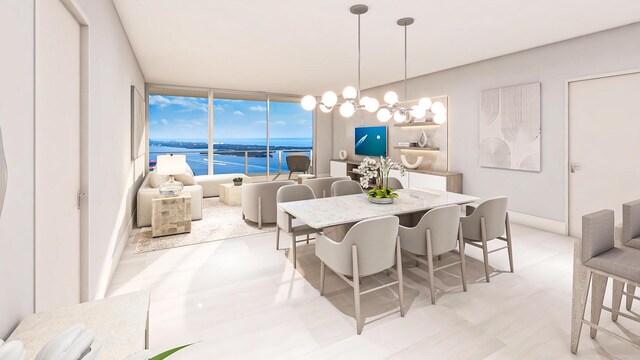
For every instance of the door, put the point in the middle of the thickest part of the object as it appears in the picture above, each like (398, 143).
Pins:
(604, 150)
(57, 248)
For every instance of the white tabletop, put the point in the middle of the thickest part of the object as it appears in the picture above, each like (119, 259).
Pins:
(332, 211)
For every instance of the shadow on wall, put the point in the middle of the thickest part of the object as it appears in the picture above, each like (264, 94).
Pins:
(4, 174)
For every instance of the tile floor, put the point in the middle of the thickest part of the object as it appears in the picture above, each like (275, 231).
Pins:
(241, 298)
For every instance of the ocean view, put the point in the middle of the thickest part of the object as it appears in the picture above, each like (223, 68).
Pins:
(229, 154)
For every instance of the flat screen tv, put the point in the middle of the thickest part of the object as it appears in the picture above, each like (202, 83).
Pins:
(371, 141)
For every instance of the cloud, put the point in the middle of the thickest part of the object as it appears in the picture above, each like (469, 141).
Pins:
(164, 121)
(258, 108)
(278, 123)
(188, 103)
(260, 122)
(238, 112)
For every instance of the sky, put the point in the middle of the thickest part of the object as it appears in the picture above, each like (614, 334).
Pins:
(176, 117)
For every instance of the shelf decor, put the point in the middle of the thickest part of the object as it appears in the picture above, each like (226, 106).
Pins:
(370, 169)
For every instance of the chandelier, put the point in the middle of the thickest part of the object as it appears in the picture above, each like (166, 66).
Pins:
(402, 112)
(351, 95)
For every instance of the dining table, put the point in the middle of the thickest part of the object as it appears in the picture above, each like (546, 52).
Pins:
(335, 215)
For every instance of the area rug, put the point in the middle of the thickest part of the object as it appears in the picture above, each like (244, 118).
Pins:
(219, 222)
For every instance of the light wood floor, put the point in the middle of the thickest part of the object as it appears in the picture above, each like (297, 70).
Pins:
(240, 298)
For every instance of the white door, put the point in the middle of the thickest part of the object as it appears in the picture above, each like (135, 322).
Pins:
(57, 247)
(604, 146)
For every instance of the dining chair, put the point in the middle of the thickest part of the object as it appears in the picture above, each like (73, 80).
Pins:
(369, 247)
(488, 221)
(288, 223)
(322, 186)
(438, 232)
(394, 183)
(259, 201)
(630, 237)
(345, 187)
(596, 260)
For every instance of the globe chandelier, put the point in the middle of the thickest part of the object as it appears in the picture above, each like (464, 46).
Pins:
(402, 112)
(353, 102)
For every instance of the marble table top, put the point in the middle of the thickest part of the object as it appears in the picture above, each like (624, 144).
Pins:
(332, 211)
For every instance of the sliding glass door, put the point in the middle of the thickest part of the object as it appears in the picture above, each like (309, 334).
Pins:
(290, 131)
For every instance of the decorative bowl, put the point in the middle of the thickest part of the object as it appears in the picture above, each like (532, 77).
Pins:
(381, 201)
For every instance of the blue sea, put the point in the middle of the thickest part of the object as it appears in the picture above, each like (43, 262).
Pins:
(226, 164)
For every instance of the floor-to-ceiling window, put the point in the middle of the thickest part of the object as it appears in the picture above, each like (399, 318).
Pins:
(229, 132)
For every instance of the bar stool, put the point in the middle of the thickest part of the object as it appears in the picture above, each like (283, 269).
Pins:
(595, 260)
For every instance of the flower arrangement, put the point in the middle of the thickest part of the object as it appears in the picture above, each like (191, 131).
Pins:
(370, 169)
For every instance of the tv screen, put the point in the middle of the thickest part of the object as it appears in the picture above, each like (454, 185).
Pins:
(371, 141)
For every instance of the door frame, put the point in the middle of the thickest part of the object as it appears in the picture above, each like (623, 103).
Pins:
(567, 137)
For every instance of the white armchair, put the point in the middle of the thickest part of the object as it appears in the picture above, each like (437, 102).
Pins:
(369, 247)
(259, 201)
(437, 233)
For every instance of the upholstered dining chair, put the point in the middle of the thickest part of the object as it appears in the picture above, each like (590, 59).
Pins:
(322, 186)
(345, 187)
(259, 201)
(289, 224)
(438, 232)
(630, 237)
(597, 259)
(488, 221)
(394, 183)
(369, 247)
(298, 163)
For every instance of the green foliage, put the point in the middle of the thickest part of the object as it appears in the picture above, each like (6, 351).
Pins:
(167, 353)
(382, 193)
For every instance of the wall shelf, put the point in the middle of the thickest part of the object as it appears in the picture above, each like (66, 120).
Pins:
(416, 148)
(414, 124)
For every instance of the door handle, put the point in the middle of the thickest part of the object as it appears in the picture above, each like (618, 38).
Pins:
(574, 167)
(81, 196)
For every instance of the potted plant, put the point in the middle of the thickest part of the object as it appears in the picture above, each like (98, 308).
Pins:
(371, 170)
(237, 181)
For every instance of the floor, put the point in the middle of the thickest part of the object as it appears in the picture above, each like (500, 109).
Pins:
(242, 298)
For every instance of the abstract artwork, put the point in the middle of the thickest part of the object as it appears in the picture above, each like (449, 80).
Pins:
(138, 128)
(510, 128)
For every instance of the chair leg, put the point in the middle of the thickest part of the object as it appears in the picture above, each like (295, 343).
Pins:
(462, 260)
(485, 249)
(509, 248)
(356, 289)
(322, 276)
(581, 280)
(618, 287)
(290, 175)
(598, 288)
(293, 251)
(278, 238)
(400, 276)
(259, 212)
(307, 239)
(631, 289)
(432, 287)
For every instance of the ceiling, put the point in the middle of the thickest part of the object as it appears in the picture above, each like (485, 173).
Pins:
(308, 47)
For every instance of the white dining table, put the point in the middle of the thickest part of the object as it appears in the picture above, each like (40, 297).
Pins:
(343, 210)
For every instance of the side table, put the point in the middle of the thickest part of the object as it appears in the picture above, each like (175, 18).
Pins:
(230, 194)
(171, 215)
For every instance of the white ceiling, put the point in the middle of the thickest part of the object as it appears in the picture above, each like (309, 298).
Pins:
(301, 46)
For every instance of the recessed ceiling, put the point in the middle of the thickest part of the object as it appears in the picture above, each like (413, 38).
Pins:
(307, 47)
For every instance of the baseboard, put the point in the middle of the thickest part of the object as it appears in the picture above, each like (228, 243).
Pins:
(115, 259)
(554, 226)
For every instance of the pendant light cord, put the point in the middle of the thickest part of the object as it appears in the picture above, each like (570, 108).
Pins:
(405, 66)
(358, 59)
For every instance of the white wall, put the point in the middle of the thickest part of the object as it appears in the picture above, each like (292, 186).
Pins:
(16, 119)
(113, 177)
(323, 142)
(538, 194)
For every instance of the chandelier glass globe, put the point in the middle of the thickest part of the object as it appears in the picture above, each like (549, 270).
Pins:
(349, 93)
(347, 109)
(400, 116)
(329, 98)
(308, 102)
(439, 118)
(371, 105)
(418, 111)
(438, 107)
(325, 109)
(364, 100)
(425, 103)
(391, 98)
(384, 115)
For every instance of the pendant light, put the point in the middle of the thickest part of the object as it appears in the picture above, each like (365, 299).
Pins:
(353, 102)
(402, 112)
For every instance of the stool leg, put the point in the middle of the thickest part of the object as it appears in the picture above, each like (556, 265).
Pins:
(618, 286)
(598, 288)
(631, 289)
(581, 279)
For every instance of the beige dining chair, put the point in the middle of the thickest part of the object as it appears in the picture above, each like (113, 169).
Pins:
(288, 223)
(322, 186)
(369, 247)
(488, 221)
(438, 232)
(394, 183)
(345, 187)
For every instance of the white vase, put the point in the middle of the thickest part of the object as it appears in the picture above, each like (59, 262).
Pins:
(409, 165)
(342, 154)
